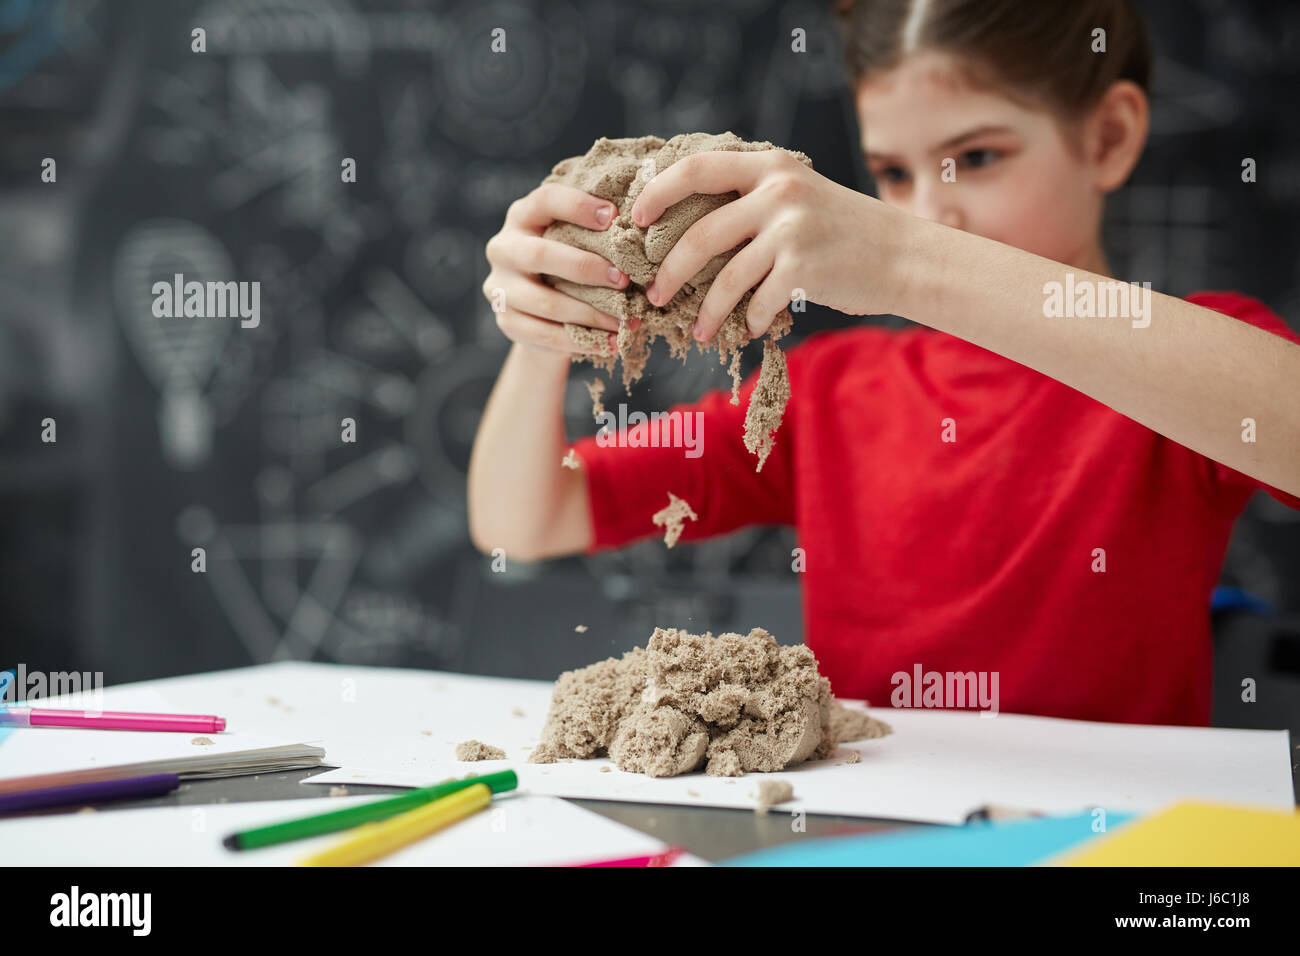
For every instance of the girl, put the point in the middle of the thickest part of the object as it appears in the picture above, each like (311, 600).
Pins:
(1031, 486)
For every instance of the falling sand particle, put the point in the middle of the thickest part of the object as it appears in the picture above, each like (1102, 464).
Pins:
(727, 705)
(617, 170)
(581, 628)
(595, 388)
(672, 518)
(767, 403)
(570, 461)
(477, 750)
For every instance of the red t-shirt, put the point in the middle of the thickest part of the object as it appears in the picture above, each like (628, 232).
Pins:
(973, 555)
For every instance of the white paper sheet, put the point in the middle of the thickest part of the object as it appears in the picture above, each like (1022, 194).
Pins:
(515, 831)
(400, 727)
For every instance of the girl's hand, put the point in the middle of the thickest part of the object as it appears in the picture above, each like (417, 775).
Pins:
(843, 249)
(528, 310)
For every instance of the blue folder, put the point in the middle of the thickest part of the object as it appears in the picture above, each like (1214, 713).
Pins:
(979, 843)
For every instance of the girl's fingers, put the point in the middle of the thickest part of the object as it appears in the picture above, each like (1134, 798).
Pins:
(747, 268)
(539, 332)
(718, 172)
(554, 201)
(533, 254)
(534, 297)
(772, 295)
(718, 232)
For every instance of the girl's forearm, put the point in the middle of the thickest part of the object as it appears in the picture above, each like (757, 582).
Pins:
(1186, 372)
(520, 498)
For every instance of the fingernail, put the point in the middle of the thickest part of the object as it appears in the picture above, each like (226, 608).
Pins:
(604, 215)
(651, 294)
(636, 215)
(698, 330)
(615, 276)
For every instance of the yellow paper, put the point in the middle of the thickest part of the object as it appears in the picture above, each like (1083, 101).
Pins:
(1197, 834)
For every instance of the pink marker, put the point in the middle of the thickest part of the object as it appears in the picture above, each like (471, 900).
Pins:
(111, 720)
(665, 858)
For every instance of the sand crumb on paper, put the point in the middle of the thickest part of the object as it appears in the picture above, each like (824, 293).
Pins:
(618, 170)
(673, 517)
(202, 742)
(477, 750)
(571, 461)
(427, 733)
(517, 712)
(727, 705)
(595, 388)
(853, 757)
(88, 810)
(770, 793)
(604, 769)
(338, 791)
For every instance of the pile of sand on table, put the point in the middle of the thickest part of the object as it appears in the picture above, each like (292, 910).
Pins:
(730, 704)
(617, 170)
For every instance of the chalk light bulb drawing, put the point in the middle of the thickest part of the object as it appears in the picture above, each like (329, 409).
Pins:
(177, 354)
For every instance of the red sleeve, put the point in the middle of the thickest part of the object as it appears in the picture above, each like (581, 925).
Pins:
(1221, 477)
(628, 480)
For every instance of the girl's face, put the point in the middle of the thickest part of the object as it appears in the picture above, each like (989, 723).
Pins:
(943, 149)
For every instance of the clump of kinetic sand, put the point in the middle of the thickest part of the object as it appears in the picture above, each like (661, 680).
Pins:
(848, 725)
(673, 517)
(618, 170)
(477, 750)
(728, 705)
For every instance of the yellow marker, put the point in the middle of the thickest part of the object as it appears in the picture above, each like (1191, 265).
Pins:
(374, 840)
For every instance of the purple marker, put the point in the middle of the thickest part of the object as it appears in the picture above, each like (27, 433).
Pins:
(123, 788)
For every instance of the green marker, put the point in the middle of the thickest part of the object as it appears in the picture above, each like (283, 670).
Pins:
(368, 813)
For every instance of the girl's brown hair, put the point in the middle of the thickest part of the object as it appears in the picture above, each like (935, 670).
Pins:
(1039, 48)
